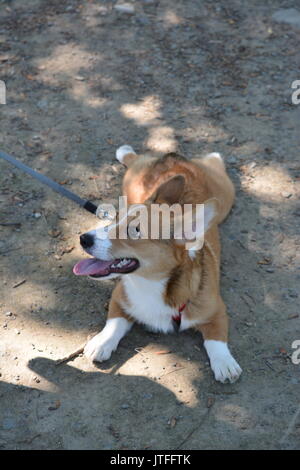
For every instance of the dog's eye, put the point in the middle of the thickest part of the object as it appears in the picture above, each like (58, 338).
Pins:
(134, 232)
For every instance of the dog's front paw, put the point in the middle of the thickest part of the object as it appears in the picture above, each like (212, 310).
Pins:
(99, 348)
(225, 368)
(222, 363)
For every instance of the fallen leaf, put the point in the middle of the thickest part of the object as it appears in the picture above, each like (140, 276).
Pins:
(29, 76)
(282, 351)
(172, 422)
(68, 249)
(94, 177)
(113, 432)
(264, 261)
(55, 406)
(54, 233)
(210, 402)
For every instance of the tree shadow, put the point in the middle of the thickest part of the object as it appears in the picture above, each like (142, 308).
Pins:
(86, 91)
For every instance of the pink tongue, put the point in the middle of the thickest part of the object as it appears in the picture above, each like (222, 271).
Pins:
(90, 266)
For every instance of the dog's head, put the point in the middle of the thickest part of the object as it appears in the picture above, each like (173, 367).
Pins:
(127, 243)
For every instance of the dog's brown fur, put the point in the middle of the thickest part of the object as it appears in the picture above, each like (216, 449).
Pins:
(171, 285)
(191, 281)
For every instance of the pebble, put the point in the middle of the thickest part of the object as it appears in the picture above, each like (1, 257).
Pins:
(37, 215)
(43, 104)
(289, 16)
(252, 165)
(8, 314)
(147, 396)
(125, 8)
(125, 406)
(8, 423)
(143, 20)
(292, 293)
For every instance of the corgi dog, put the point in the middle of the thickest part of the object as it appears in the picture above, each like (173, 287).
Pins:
(162, 284)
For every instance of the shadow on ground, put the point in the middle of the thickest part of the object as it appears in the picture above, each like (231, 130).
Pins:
(83, 79)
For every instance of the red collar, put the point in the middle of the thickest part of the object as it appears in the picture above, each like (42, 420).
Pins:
(176, 319)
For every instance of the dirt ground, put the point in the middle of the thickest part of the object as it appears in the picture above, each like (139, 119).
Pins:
(82, 79)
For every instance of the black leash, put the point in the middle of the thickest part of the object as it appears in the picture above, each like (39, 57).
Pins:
(85, 203)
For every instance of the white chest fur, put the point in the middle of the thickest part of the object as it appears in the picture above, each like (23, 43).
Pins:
(146, 304)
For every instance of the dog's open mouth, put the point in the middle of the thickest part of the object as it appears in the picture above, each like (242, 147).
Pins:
(99, 268)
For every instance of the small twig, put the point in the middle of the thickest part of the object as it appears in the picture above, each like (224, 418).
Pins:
(10, 249)
(241, 244)
(70, 356)
(250, 297)
(195, 429)
(74, 353)
(10, 224)
(246, 302)
(291, 426)
(171, 372)
(19, 283)
(139, 350)
(28, 441)
(269, 365)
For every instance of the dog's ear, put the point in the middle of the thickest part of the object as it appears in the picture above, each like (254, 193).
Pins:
(210, 212)
(169, 192)
(196, 222)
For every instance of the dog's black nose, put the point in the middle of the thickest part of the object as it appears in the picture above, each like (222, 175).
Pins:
(86, 240)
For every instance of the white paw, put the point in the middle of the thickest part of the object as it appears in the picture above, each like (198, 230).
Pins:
(222, 363)
(123, 151)
(99, 348)
(225, 368)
